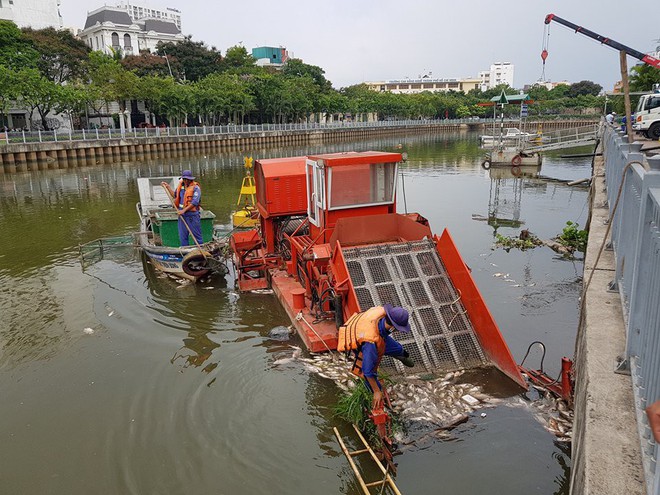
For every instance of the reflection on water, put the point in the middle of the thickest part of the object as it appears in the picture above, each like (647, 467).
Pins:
(174, 391)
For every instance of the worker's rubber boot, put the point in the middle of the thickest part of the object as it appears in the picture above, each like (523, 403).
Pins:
(407, 361)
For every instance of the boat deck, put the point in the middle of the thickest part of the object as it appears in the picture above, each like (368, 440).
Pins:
(318, 336)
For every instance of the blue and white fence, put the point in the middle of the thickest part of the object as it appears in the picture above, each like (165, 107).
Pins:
(634, 181)
(156, 132)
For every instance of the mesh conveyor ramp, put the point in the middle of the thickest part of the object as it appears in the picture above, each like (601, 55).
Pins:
(411, 275)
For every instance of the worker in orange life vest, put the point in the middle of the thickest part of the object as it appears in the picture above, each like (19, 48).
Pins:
(368, 335)
(187, 199)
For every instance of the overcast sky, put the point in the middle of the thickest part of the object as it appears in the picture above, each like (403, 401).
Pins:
(369, 40)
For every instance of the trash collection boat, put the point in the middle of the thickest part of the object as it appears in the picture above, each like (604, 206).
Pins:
(159, 235)
(330, 244)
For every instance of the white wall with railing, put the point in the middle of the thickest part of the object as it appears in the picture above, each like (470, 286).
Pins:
(256, 129)
(633, 196)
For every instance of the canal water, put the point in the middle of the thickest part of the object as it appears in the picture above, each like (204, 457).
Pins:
(173, 389)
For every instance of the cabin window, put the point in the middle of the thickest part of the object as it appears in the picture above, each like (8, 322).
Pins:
(315, 191)
(370, 184)
(653, 102)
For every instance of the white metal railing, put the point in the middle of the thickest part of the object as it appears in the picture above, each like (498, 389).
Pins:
(157, 132)
(635, 237)
(563, 138)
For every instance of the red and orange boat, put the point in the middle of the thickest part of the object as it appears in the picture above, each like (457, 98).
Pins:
(330, 243)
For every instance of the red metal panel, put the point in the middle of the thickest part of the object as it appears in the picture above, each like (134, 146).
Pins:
(353, 158)
(484, 324)
(281, 186)
(375, 229)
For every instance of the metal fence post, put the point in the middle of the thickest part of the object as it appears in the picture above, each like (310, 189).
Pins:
(83, 134)
(97, 132)
(70, 135)
(23, 131)
(55, 134)
(39, 130)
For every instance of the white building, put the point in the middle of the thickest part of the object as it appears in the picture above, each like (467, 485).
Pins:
(37, 14)
(425, 83)
(499, 73)
(111, 29)
(138, 12)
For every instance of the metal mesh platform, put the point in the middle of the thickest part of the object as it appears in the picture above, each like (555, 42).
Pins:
(412, 275)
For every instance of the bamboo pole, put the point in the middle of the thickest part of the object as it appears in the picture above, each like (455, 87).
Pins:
(389, 479)
(626, 94)
(365, 489)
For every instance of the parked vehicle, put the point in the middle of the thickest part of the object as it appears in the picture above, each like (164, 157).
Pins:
(647, 116)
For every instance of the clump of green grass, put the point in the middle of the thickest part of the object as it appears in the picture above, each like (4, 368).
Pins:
(355, 407)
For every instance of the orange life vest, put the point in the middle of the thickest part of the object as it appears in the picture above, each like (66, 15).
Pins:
(187, 195)
(360, 328)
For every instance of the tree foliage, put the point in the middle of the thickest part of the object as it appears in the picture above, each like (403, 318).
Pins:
(237, 60)
(62, 56)
(643, 77)
(197, 60)
(47, 70)
(584, 88)
(16, 51)
(147, 64)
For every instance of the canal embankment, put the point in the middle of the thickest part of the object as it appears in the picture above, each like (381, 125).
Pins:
(42, 150)
(612, 448)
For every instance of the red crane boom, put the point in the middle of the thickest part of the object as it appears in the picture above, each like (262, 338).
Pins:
(648, 59)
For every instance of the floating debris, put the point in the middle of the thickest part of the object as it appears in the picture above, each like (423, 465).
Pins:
(280, 333)
(436, 402)
(297, 351)
(88, 331)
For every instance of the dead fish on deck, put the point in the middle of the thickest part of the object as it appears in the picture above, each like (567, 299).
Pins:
(297, 351)
(262, 291)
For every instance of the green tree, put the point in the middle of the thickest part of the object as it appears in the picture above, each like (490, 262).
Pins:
(62, 56)
(238, 60)
(151, 89)
(643, 77)
(147, 64)
(17, 52)
(38, 93)
(295, 67)
(197, 60)
(584, 88)
(113, 82)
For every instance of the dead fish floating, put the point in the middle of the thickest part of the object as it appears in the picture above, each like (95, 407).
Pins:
(297, 351)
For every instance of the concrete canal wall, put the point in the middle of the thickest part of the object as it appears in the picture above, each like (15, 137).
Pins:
(63, 153)
(613, 451)
(605, 454)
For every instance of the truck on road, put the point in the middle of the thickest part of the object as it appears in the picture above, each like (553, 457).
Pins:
(647, 115)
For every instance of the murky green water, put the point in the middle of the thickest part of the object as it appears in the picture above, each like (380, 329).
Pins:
(174, 391)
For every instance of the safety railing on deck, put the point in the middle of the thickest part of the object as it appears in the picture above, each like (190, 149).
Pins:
(633, 188)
